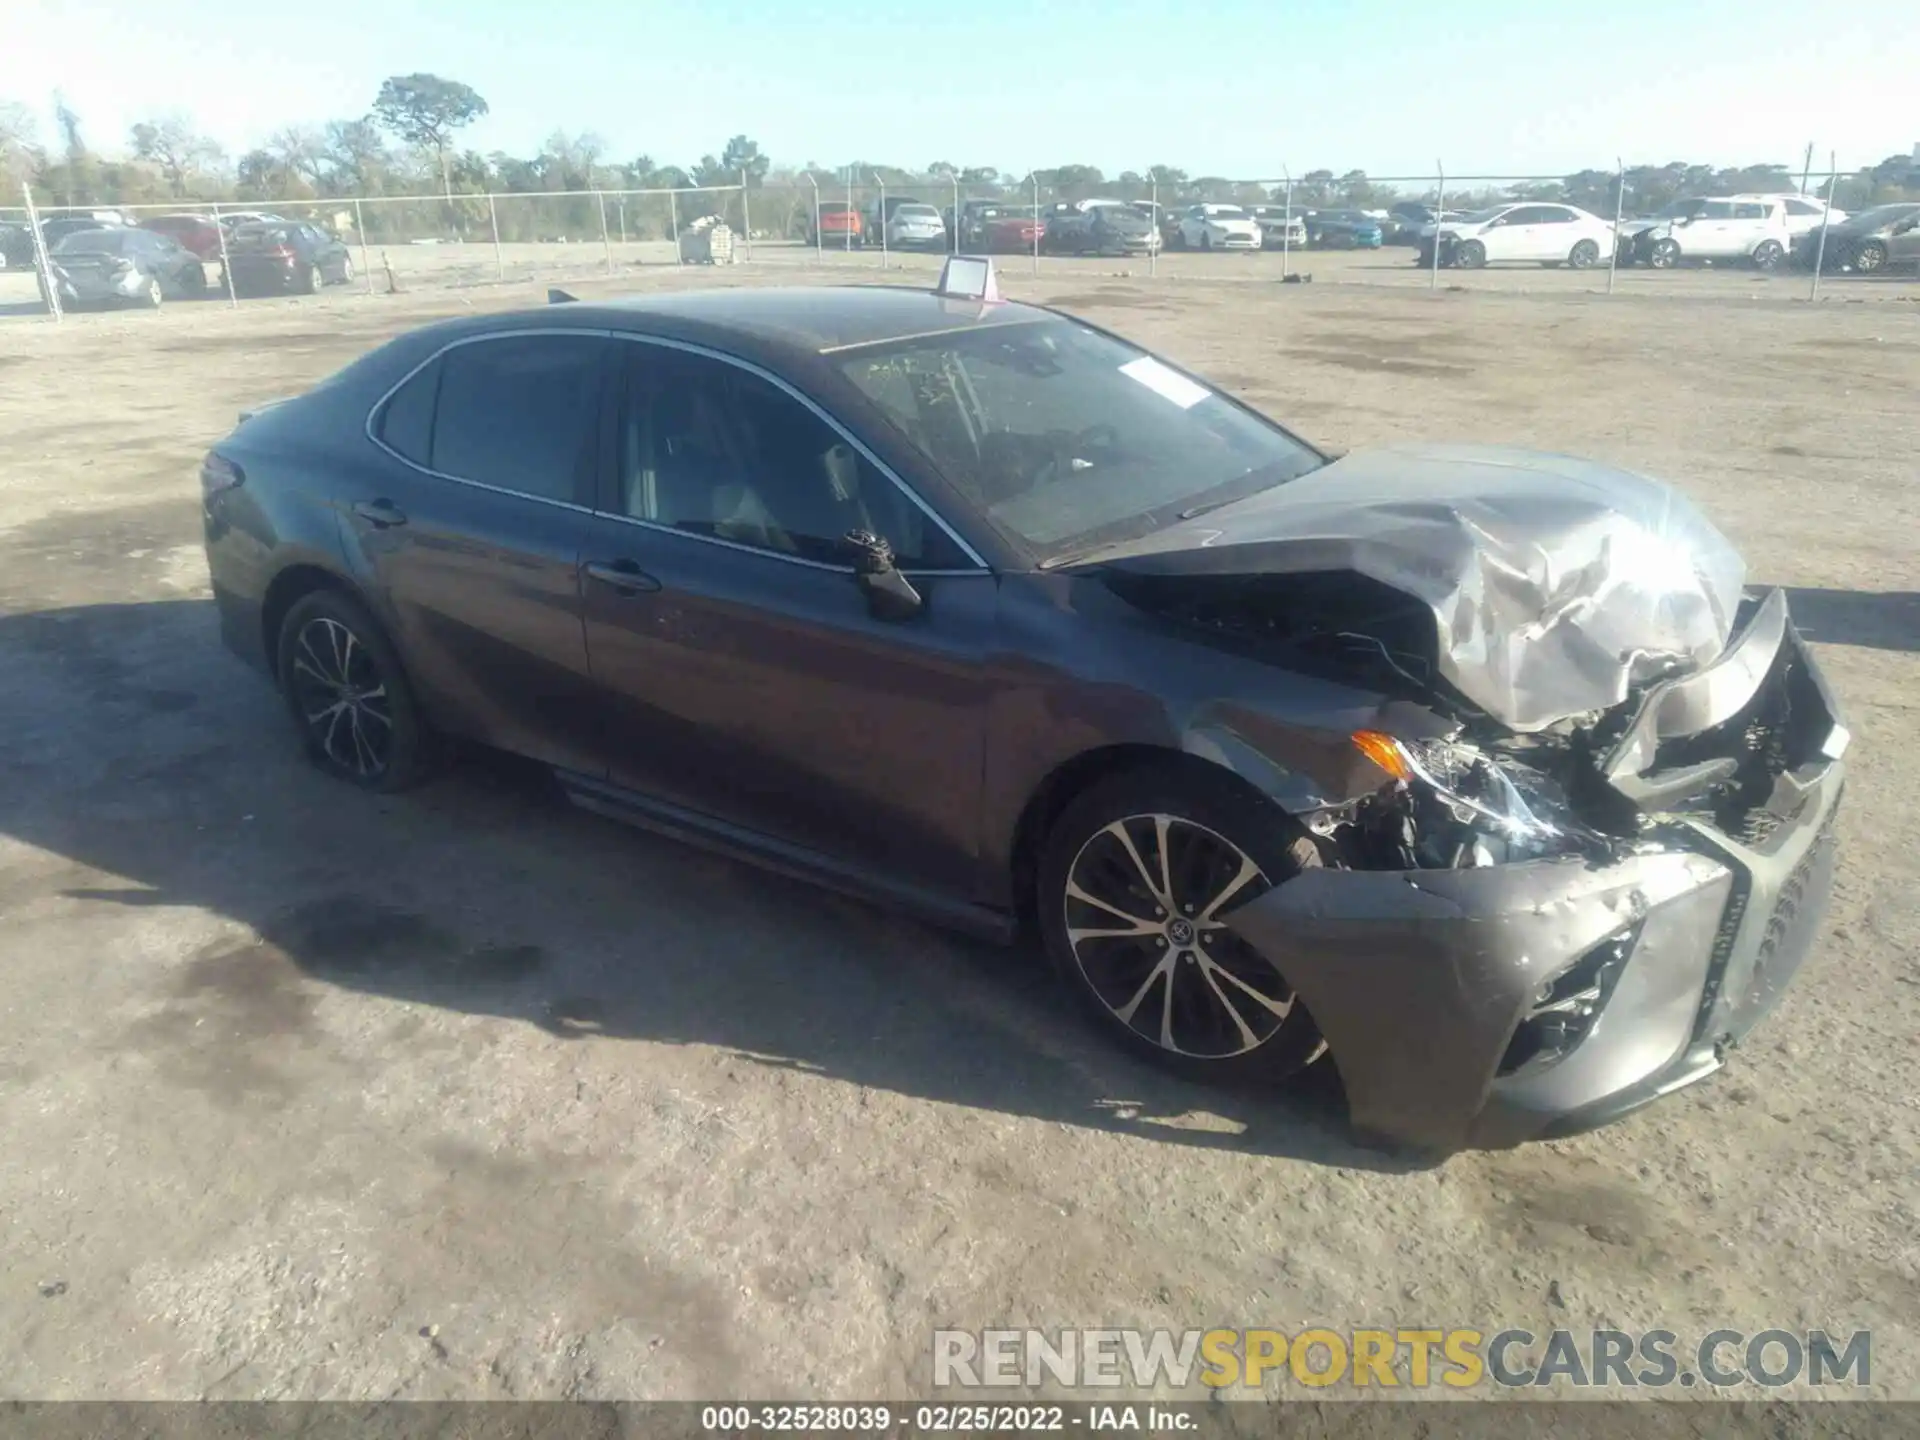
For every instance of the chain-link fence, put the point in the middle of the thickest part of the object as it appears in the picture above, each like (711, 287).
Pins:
(1354, 228)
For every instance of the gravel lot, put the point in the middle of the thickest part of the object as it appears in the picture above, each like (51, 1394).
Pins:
(306, 1093)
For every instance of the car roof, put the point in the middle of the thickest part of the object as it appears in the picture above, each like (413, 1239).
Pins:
(799, 321)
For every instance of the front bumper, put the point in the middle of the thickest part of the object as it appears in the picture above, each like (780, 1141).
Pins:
(1422, 981)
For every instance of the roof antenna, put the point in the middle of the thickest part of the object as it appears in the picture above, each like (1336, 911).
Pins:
(560, 297)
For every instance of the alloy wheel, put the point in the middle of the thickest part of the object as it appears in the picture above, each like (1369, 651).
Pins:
(1143, 905)
(341, 697)
(1869, 257)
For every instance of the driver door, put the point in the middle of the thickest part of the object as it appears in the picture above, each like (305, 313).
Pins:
(743, 675)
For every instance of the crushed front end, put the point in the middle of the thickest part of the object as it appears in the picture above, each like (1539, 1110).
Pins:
(1521, 935)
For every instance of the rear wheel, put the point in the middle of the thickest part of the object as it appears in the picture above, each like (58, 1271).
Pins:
(311, 280)
(153, 296)
(349, 695)
(346, 270)
(1135, 879)
(1770, 255)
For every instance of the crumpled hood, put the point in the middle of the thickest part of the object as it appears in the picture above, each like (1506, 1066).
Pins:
(1556, 584)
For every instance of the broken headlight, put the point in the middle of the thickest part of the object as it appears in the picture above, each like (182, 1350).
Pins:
(1469, 808)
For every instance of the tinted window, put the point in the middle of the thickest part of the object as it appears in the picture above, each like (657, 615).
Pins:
(1717, 210)
(1749, 212)
(715, 450)
(1553, 215)
(518, 413)
(406, 424)
(93, 242)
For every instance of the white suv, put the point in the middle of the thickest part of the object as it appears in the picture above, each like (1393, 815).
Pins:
(1804, 212)
(1740, 227)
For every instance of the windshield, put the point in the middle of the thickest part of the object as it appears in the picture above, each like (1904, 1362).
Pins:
(1226, 212)
(1068, 439)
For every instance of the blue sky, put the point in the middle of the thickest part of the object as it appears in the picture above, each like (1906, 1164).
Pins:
(1231, 87)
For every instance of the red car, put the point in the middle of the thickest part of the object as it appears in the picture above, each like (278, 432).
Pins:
(197, 233)
(839, 224)
(1014, 232)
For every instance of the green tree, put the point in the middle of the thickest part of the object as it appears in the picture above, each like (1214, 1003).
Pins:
(425, 110)
(742, 156)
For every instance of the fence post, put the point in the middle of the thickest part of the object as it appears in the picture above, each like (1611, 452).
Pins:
(846, 230)
(41, 258)
(1619, 209)
(606, 240)
(1286, 226)
(493, 224)
(1153, 204)
(819, 241)
(226, 265)
(953, 240)
(673, 219)
(366, 261)
(881, 215)
(1439, 220)
(623, 220)
(746, 219)
(1035, 177)
(1820, 250)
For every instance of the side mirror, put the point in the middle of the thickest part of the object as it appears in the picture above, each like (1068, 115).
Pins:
(890, 595)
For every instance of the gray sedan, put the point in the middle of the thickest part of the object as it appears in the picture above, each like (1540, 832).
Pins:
(119, 264)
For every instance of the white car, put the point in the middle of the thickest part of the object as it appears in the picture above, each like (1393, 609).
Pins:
(916, 227)
(1736, 228)
(1519, 233)
(1278, 228)
(1218, 227)
(1805, 213)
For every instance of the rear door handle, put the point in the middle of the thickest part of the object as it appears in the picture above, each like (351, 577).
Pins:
(381, 514)
(624, 576)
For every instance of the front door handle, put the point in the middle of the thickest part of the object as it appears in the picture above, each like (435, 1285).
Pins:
(381, 514)
(624, 576)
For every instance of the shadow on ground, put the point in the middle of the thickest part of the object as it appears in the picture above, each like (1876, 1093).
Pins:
(1874, 620)
(143, 752)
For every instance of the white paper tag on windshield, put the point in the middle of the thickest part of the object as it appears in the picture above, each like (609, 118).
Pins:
(1164, 382)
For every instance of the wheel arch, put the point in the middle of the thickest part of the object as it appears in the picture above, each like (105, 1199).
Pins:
(1073, 777)
(292, 585)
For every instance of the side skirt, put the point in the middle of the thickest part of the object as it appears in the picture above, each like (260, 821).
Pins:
(693, 828)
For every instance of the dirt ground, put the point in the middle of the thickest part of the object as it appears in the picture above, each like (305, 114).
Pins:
(308, 1093)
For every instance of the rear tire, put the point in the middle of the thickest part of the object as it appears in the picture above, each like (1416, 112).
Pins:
(312, 280)
(1145, 956)
(349, 696)
(154, 295)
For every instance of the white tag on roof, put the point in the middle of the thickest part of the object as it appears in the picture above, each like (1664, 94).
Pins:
(968, 277)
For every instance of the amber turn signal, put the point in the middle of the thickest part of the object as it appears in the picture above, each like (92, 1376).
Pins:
(1384, 751)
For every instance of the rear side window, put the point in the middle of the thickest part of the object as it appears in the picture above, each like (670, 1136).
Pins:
(1750, 212)
(1717, 210)
(519, 413)
(406, 424)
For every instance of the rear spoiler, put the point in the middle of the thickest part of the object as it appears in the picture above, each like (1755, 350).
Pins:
(561, 297)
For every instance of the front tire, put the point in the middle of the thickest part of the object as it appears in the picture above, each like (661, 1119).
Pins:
(1871, 256)
(1134, 878)
(1470, 255)
(154, 295)
(1584, 256)
(1664, 255)
(348, 694)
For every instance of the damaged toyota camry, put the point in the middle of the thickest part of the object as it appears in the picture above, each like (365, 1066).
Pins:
(1480, 773)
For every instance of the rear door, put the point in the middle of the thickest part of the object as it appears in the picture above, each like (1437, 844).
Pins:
(742, 673)
(468, 528)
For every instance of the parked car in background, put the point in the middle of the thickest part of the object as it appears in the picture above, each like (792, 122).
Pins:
(882, 210)
(1217, 227)
(1751, 230)
(914, 226)
(838, 223)
(1344, 230)
(198, 233)
(1520, 233)
(16, 247)
(1882, 238)
(1280, 229)
(287, 258)
(1098, 227)
(231, 220)
(1406, 219)
(120, 263)
(997, 225)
